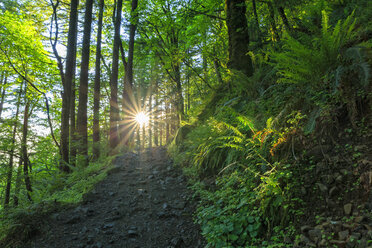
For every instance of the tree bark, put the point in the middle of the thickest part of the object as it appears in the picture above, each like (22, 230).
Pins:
(274, 31)
(73, 138)
(23, 161)
(150, 113)
(54, 41)
(177, 78)
(17, 186)
(24, 156)
(217, 70)
(82, 116)
(11, 153)
(156, 113)
(180, 114)
(238, 37)
(97, 85)
(167, 122)
(161, 124)
(2, 95)
(128, 98)
(69, 74)
(132, 33)
(284, 19)
(257, 22)
(114, 110)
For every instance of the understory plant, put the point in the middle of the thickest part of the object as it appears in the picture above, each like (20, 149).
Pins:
(251, 145)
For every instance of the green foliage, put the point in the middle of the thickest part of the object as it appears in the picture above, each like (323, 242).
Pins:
(228, 216)
(307, 61)
(253, 196)
(52, 190)
(20, 224)
(246, 142)
(326, 69)
(71, 187)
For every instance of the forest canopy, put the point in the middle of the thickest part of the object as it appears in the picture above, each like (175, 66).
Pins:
(245, 93)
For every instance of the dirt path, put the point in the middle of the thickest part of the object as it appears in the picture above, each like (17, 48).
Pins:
(143, 202)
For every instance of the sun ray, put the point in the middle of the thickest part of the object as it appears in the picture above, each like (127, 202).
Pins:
(142, 118)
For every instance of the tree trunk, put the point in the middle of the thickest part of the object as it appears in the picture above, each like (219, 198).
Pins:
(138, 137)
(150, 113)
(114, 111)
(188, 84)
(73, 138)
(17, 186)
(238, 37)
(11, 153)
(143, 136)
(23, 158)
(177, 78)
(82, 116)
(66, 96)
(128, 98)
(156, 114)
(97, 85)
(180, 114)
(217, 70)
(274, 32)
(132, 33)
(284, 19)
(161, 124)
(259, 36)
(167, 120)
(24, 155)
(2, 95)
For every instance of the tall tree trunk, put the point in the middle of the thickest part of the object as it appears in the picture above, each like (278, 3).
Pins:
(73, 138)
(114, 111)
(132, 33)
(275, 35)
(66, 96)
(284, 19)
(205, 65)
(257, 22)
(138, 129)
(156, 114)
(54, 41)
(97, 85)
(2, 95)
(167, 121)
(180, 114)
(188, 83)
(238, 37)
(177, 78)
(23, 161)
(17, 186)
(161, 125)
(217, 70)
(143, 136)
(150, 113)
(11, 152)
(24, 155)
(128, 98)
(82, 116)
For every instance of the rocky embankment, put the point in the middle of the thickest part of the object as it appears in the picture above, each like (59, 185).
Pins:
(339, 193)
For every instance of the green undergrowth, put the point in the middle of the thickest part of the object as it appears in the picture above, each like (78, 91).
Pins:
(54, 191)
(247, 153)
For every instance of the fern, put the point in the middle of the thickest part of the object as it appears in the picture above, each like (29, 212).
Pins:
(309, 63)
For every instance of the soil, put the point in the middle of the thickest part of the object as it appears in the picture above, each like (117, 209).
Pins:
(143, 202)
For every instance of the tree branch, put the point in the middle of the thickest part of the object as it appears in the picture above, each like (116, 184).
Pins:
(39, 91)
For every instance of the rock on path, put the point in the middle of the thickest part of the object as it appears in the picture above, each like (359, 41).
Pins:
(143, 202)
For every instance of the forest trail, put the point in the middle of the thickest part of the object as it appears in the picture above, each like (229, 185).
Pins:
(143, 202)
